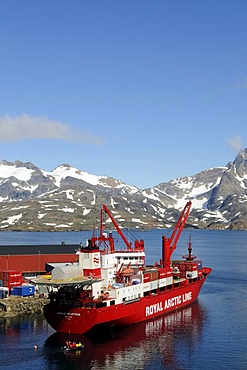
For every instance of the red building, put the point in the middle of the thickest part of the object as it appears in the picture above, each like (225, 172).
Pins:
(32, 259)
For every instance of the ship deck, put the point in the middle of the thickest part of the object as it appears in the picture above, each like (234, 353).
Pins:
(80, 280)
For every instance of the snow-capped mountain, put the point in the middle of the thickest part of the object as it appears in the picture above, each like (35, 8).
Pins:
(70, 199)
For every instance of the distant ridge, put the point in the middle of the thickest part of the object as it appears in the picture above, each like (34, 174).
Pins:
(70, 199)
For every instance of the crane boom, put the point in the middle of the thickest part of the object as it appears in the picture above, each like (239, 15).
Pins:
(108, 240)
(106, 210)
(170, 244)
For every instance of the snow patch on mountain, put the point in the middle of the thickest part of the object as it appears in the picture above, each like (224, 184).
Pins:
(12, 219)
(150, 194)
(66, 209)
(20, 173)
(63, 171)
(86, 211)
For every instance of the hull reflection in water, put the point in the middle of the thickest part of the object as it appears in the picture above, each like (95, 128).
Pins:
(136, 344)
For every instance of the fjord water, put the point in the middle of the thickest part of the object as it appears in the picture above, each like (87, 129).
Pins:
(210, 334)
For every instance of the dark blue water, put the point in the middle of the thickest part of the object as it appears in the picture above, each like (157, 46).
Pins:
(210, 334)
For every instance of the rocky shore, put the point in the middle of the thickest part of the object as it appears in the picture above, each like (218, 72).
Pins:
(15, 305)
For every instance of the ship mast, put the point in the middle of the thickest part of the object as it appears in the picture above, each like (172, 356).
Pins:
(189, 256)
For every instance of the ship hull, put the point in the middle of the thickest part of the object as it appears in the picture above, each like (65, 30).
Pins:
(81, 320)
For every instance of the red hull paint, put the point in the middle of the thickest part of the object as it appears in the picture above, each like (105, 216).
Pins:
(81, 320)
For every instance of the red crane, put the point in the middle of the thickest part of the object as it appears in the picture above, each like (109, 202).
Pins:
(103, 238)
(170, 244)
(119, 231)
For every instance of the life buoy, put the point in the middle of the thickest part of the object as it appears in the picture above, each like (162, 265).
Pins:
(127, 272)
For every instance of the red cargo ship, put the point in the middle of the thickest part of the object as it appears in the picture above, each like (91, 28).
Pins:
(115, 287)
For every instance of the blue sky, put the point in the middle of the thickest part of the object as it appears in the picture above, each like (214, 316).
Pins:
(143, 91)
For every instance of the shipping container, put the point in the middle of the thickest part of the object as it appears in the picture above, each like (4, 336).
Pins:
(146, 278)
(23, 290)
(164, 272)
(150, 275)
(10, 274)
(10, 284)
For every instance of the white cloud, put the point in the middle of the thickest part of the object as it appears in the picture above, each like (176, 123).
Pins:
(236, 143)
(25, 127)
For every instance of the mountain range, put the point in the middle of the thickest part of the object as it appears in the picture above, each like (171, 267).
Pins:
(67, 198)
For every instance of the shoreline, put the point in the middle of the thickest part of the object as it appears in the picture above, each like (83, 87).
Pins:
(15, 305)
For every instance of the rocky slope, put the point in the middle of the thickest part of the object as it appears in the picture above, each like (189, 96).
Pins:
(70, 199)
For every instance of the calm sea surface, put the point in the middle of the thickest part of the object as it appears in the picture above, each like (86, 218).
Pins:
(210, 334)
